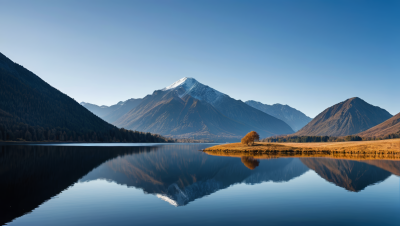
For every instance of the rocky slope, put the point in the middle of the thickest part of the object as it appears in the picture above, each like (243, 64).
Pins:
(349, 117)
(388, 127)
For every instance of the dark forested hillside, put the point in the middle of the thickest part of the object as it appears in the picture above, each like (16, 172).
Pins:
(32, 110)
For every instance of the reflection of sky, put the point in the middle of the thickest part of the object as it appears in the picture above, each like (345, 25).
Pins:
(308, 198)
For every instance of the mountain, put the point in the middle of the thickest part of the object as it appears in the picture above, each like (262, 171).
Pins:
(349, 117)
(32, 110)
(100, 111)
(294, 118)
(189, 109)
(111, 113)
(388, 127)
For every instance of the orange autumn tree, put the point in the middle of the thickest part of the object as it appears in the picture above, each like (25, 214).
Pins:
(250, 138)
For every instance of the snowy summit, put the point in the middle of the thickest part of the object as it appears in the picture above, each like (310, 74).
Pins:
(187, 82)
(195, 89)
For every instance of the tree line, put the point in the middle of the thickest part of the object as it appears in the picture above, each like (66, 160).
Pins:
(24, 132)
(309, 139)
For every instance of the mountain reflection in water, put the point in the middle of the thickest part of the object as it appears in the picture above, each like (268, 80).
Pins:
(178, 174)
(183, 176)
(351, 175)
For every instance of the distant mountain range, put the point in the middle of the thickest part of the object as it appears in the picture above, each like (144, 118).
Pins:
(294, 118)
(388, 127)
(189, 109)
(111, 113)
(32, 110)
(345, 118)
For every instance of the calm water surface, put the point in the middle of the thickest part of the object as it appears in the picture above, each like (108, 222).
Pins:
(176, 184)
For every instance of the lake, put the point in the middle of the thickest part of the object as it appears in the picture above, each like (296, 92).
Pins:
(177, 184)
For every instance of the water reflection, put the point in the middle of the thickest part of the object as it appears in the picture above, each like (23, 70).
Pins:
(181, 176)
(177, 174)
(351, 175)
(250, 162)
(30, 175)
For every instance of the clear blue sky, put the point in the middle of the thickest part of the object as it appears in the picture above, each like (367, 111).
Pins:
(307, 54)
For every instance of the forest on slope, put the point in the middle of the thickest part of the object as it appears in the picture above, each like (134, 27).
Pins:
(32, 110)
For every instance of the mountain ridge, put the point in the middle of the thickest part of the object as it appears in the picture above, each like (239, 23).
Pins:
(112, 113)
(293, 117)
(388, 127)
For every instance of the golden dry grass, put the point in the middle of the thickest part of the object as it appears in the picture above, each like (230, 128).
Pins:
(362, 150)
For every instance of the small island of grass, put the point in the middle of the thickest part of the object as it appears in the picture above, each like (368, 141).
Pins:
(383, 149)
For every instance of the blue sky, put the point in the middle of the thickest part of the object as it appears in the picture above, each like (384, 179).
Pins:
(307, 54)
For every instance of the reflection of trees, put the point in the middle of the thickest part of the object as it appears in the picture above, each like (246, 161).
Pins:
(250, 162)
(30, 175)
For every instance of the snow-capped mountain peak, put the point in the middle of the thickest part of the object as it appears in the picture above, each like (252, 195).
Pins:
(185, 82)
(195, 89)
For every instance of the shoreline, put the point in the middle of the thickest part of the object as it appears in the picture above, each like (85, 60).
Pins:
(277, 155)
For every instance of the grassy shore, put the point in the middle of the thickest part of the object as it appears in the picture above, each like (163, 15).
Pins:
(383, 149)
